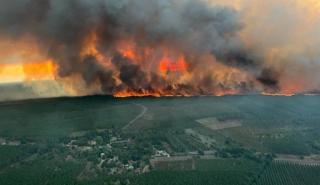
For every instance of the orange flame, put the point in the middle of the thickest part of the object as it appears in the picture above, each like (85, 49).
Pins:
(22, 60)
(124, 94)
(11, 73)
(277, 94)
(168, 65)
(44, 70)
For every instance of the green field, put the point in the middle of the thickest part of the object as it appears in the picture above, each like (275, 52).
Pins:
(268, 123)
(293, 174)
(60, 117)
(105, 111)
(49, 141)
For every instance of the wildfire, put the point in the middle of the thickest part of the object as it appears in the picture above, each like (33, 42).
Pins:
(90, 46)
(169, 65)
(287, 89)
(127, 49)
(11, 73)
(277, 94)
(23, 60)
(227, 93)
(124, 94)
(30, 64)
(43, 70)
(292, 89)
(175, 79)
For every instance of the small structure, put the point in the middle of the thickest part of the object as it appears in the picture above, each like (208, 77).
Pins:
(161, 153)
(92, 143)
(3, 141)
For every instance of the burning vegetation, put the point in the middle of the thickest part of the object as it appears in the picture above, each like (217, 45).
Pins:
(135, 48)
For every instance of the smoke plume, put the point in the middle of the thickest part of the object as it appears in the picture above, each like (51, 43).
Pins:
(147, 47)
(286, 34)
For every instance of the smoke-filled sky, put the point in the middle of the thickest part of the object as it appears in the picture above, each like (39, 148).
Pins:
(286, 33)
(163, 47)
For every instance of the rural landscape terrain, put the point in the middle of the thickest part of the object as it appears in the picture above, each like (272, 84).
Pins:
(159, 92)
(101, 140)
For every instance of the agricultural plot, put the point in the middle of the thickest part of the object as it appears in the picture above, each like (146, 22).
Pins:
(280, 173)
(191, 178)
(180, 163)
(203, 172)
(240, 172)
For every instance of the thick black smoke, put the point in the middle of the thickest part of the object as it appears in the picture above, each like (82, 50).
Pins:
(189, 25)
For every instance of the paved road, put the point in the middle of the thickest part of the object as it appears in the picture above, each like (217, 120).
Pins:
(142, 113)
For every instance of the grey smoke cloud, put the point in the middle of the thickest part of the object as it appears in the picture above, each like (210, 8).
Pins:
(190, 26)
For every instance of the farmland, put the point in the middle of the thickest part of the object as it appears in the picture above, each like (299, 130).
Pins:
(288, 173)
(250, 140)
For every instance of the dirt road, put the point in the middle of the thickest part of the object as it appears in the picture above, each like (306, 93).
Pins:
(142, 113)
